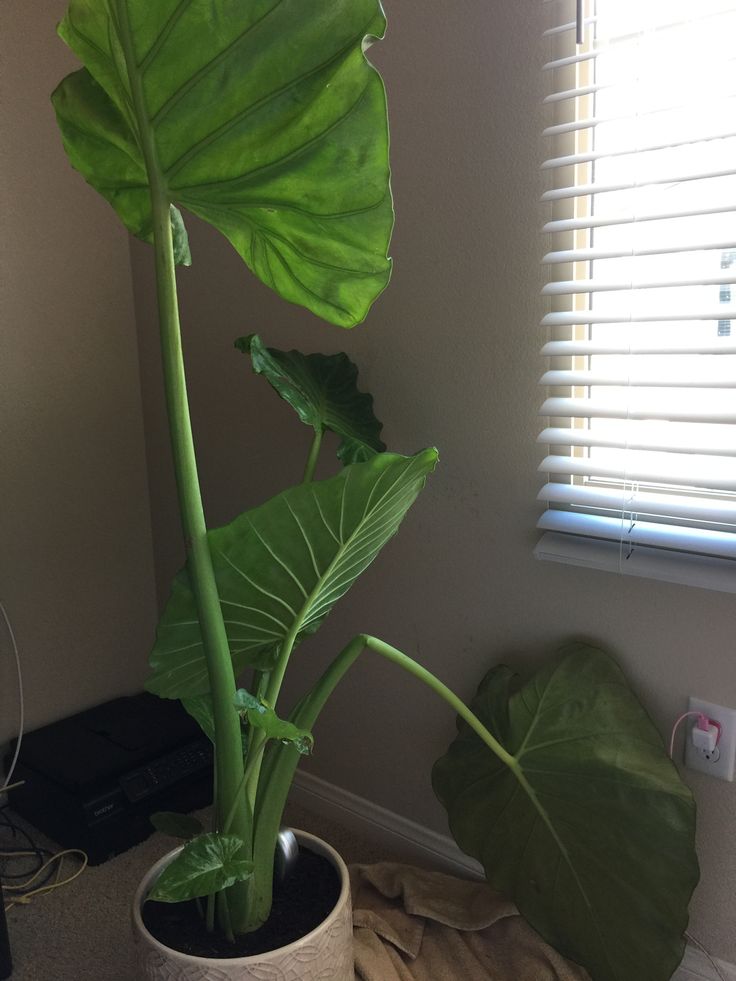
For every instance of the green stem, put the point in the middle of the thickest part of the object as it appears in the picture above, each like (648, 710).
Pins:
(276, 676)
(403, 661)
(229, 760)
(254, 757)
(225, 917)
(312, 458)
(253, 768)
(226, 824)
(278, 770)
(306, 713)
(260, 683)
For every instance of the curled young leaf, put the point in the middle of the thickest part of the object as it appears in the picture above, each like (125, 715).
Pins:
(323, 390)
(253, 711)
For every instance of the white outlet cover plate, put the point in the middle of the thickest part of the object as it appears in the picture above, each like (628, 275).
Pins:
(723, 768)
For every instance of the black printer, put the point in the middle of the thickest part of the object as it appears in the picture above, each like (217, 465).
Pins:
(93, 780)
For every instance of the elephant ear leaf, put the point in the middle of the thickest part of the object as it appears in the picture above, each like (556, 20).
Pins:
(263, 118)
(281, 567)
(206, 865)
(593, 836)
(323, 391)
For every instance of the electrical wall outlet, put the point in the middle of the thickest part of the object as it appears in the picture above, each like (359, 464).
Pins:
(719, 763)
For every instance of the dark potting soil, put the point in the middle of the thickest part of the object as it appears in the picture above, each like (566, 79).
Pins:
(299, 905)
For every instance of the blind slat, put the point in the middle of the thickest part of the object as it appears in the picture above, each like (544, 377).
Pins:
(633, 251)
(707, 572)
(698, 377)
(580, 317)
(573, 286)
(644, 25)
(670, 409)
(640, 115)
(698, 540)
(573, 159)
(704, 475)
(585, 190)
(630, 218)
(570, 26)
(577, 93)
(639, 502)
(629, 436)
(557, 349)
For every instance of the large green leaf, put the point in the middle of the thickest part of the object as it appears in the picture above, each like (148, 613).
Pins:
(264, 118)
(282, 566)
(322, 389)
(598, 852)
(204, 866)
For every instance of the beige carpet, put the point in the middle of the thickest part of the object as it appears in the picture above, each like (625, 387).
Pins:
(82, 933)
(411, 925)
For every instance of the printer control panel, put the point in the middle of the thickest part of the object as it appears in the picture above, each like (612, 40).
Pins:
(167, 770)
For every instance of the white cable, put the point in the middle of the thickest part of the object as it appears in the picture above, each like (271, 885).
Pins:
(713, 962)
(21, 702)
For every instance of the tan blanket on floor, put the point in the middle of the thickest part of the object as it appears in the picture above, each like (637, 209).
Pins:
(414, 925)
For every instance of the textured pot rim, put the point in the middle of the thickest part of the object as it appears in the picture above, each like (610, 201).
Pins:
(311, 841)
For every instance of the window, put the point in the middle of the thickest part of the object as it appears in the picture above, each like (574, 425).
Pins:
(641, 465)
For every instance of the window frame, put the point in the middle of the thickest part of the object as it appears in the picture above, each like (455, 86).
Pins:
(581, 544)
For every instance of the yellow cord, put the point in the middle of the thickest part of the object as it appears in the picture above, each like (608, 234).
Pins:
(25, 895)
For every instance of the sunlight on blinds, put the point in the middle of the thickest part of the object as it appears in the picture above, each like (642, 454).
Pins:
(642, 230)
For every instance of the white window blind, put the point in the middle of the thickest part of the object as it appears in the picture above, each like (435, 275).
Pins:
(640, 471)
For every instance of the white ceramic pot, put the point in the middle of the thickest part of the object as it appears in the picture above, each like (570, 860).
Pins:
(325, 954)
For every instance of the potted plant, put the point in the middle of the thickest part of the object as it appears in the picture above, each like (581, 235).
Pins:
(265, 119)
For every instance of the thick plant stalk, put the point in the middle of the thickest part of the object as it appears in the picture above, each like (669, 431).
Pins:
(278, 771)
(228, 759)
(306, 713)
(313, 456)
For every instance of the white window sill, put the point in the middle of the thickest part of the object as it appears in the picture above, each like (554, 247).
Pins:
(649, 563)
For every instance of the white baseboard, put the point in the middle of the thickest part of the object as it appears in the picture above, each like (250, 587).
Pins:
(381, 825)
(415, 841)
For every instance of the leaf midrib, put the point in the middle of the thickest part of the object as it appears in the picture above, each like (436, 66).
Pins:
(310, 602)
(531, 793)
(520, 775)
(562, 849)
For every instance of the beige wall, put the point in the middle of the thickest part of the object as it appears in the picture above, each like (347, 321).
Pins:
(75, 545)
(450, 352)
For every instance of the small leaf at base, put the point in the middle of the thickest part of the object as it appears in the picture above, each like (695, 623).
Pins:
(204, 866)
